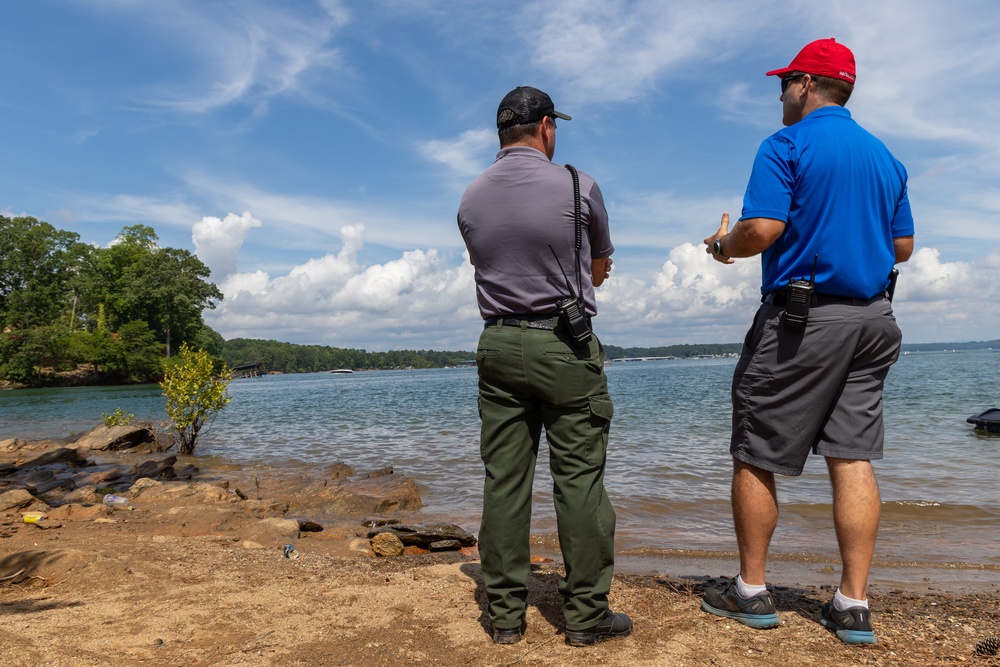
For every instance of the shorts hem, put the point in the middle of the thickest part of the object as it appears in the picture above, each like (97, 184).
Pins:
(850, 455)
(766, 465)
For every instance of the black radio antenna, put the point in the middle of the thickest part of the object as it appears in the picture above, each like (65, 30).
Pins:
(565, 277)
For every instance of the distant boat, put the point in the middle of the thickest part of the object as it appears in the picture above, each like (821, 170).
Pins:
(988, 420)
(342, 370)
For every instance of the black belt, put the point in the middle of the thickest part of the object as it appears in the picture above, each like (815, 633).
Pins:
(548, 322)
(817, 299)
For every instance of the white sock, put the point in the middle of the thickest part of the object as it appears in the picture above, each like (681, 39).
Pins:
(746, 590)
(841, 602)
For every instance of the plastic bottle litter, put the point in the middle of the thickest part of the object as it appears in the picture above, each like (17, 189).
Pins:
(290, 551)
(33, 517)
(118, 502)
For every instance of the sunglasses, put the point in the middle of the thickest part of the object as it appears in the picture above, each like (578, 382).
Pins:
(785, 80)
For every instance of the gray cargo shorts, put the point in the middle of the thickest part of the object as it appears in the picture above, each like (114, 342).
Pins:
(819, 390)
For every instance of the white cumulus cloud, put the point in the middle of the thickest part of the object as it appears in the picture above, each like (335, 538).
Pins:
(415, 301)
(217, 242)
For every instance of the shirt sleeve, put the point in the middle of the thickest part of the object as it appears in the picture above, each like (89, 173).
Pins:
(902, 222)
(769, 191)
(600, 232)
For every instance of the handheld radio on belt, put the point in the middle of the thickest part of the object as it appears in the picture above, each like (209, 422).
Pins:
(799, 297)
(891, 289)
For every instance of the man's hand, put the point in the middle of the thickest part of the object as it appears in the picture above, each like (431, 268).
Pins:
(600, 270)
(710, 241)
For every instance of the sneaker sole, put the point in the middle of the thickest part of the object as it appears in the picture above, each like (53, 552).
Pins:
(757, 621)
(849, 636)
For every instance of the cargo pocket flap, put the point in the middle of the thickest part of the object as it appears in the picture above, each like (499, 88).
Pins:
(602, 406)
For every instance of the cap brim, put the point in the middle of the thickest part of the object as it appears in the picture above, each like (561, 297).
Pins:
(561, 115)
(780, 72)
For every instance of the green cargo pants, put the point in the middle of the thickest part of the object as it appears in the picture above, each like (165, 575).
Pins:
(530, 378)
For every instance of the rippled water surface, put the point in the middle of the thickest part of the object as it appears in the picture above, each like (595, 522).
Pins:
(668, 464)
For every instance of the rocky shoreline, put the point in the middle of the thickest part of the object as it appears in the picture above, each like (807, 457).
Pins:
(229, 565)
(50, 483)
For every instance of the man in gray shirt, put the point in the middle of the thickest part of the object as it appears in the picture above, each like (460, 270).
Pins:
(540, 367)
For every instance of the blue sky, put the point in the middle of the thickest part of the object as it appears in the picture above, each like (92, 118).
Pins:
(313, 153)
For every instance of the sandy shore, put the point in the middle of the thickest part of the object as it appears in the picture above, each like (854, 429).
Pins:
(196, 575)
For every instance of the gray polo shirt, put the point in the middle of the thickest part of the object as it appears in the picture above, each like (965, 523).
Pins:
(511, 214)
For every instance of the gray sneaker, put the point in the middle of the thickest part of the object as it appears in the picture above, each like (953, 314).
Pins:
(852, 626)
(757, 611)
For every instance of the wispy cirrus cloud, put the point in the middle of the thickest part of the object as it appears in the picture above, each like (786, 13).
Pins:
(464, 154)
(231, 52)
(620, 50)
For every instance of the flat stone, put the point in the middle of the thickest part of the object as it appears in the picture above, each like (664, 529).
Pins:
(75, 512)
(63, 455)
(15, 499)
(426, 534)
(105, 438)
(445, 545)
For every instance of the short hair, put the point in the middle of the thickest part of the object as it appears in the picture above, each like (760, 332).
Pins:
(515, 134)
(833, 90)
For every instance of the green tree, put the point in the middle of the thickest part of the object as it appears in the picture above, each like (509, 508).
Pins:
(194, 394)
(36, 263)
(167, 288)
(24, 352)
(141, 352)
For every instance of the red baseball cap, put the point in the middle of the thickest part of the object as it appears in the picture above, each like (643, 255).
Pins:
(824, 57)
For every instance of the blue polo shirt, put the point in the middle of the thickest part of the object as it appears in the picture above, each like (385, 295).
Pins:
(842, 196)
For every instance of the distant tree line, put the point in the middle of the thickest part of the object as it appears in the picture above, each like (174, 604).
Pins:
(275, 356)
(119, 310)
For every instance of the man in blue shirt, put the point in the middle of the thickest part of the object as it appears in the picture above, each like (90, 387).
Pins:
(826, 207)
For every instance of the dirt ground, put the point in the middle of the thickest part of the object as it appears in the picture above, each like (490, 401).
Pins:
(184, 579)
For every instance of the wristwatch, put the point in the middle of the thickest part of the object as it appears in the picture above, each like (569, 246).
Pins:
(717, 248)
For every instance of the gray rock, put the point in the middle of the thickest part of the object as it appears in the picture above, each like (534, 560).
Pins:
(61, 456)
(104, 438)
(152, 469)
(445, 545)
(427, 534)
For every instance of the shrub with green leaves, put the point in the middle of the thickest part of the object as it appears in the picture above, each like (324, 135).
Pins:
(117, 418)
(195, 394)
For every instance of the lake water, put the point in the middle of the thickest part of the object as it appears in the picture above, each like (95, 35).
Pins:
(668, 462)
